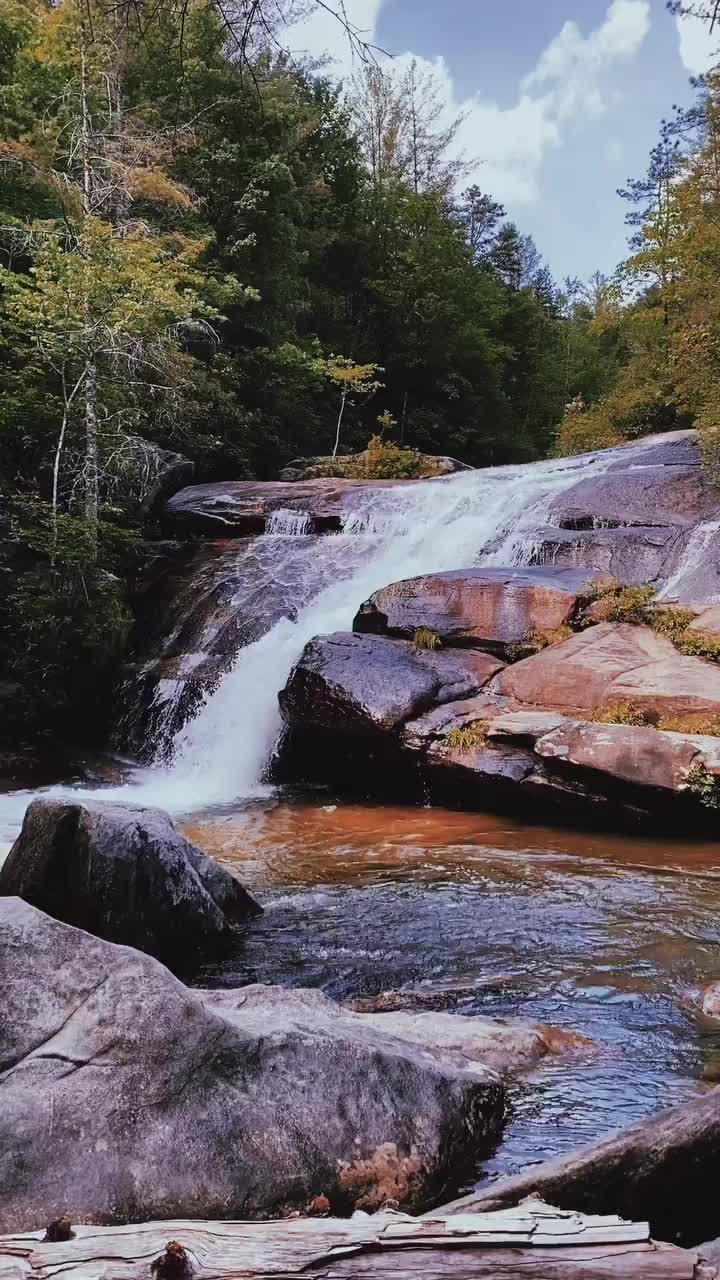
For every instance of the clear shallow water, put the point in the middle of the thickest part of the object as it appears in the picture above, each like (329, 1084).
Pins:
(607, 935)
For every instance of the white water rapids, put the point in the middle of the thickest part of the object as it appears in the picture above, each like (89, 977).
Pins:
(474, 518)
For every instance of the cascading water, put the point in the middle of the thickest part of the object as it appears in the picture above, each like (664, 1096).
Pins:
(482, 517)
(474, 518)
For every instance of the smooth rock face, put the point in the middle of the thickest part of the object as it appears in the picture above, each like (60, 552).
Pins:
(506, 1045)
(126, 1096)
(609, 664)
(486, 608)
(360, 684)
(641, 495)
(631, 754)
(243, 506)
(631, 555)
(124, 874)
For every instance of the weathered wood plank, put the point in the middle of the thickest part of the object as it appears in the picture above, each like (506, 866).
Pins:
(384, 1245)
(621, 1262)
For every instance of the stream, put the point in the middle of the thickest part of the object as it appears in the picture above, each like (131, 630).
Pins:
(607, 935)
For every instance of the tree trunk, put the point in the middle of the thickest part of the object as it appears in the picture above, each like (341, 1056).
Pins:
(664, 1170)
(343, 398)
(91, 447)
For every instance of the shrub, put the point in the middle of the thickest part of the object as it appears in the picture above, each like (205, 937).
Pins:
(672, 622)
(624, 713)
(705, 786)
(619, 603)
(469, 737)
(426, 638)
(698, 644)
(692, 723)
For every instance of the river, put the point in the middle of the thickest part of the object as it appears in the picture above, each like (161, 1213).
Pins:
(607, 935)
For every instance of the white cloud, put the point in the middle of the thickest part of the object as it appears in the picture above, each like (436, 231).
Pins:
(571, 84)
(698, 49)
(573, 67)
(323, 33)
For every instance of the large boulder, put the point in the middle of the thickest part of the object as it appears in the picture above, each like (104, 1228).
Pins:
(125, 1096)
(494, 609)
(614, 663)
(125, 874)
(245, 506)
(364, 684)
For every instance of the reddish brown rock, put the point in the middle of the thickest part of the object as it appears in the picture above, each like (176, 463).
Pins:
(492, 609)
(645, 757)
(614, 663)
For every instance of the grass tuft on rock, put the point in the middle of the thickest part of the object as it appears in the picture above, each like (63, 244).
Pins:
(426, 638)
(624, 713)
(469, 737)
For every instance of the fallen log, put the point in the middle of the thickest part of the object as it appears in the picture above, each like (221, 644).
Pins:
(533, 1239)
(664, 1169)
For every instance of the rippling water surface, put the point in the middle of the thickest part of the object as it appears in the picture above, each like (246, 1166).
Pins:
(609, 935)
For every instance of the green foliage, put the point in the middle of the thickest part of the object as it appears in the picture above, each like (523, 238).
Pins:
(615, 602)
(426, 638)
(471, 737)
(697, 644)
(673, 622)
(704, 785)
(64, 619)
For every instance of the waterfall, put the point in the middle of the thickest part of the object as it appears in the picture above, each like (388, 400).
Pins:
(480, 517)
(487, 517)
(284, 522)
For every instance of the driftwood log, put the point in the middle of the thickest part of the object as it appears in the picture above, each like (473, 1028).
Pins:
(534, 1240)
(664, 1170)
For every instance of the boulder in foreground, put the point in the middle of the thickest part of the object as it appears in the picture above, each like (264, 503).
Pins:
(125, 874)
(124, 1095)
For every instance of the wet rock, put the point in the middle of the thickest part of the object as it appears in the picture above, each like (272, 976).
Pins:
(637, 495)
(506, 1045)
(193, 618)
(710, 1000)
(126, 1096)
(363, 684)
(243, 506)
(631, 555)
(614, 663)
(124, 874)
(493, 609)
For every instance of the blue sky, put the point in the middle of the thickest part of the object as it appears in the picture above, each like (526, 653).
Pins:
(563, 100)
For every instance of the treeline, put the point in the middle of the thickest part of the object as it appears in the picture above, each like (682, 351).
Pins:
(661, 310)
(202, 243)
